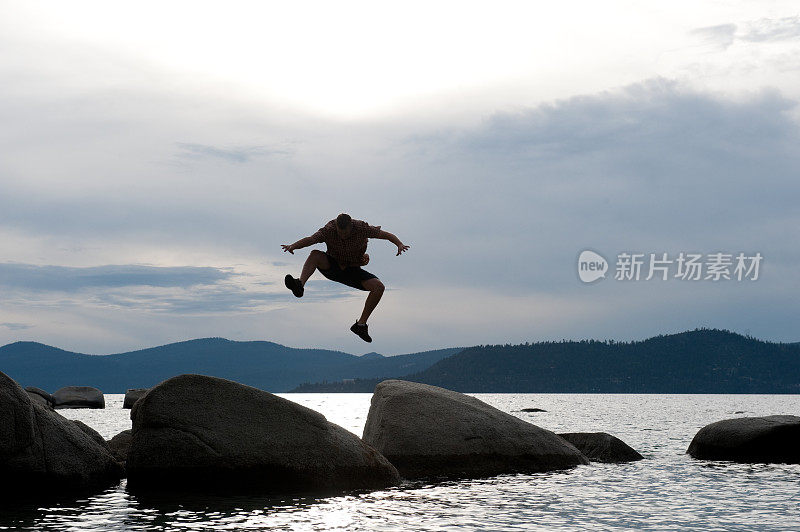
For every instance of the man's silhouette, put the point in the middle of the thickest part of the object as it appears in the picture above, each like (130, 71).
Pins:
(347, 252)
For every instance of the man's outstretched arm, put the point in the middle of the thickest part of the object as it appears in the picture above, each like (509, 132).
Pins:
(385, 235)
(300, 244)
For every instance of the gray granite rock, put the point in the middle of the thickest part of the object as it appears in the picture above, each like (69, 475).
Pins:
(770, 439)
(426, 431)
(200, 433)
(42, 451)
(79, 397)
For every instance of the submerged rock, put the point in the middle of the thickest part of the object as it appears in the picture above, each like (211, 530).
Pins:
(79, 397)
(133, 395)
(426, 431)
(770, 439)
(200, 433)
(43, 452)
(602, 447)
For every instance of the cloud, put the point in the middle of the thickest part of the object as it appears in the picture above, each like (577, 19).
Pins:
(70, 279)
(756, 31)
(182, 290)
(658, 115)
(215, 299)
(234, 155)
(206, 300)
(769, 30)
(16, 326)
(721, 35)
(654, 166)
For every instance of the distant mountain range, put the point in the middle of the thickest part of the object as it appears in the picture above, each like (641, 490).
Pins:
(265, 365)
(699, 361)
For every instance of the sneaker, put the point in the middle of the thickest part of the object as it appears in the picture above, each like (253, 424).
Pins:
(294, 285)
(361, 331)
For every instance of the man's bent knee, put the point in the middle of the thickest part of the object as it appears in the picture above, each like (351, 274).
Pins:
(373, 285)
(320, 259)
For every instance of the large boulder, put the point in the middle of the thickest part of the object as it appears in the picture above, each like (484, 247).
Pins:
(79, 397)
(426, 431)
(602, 447)
(133, 395)
(43, 452)
(194, 432)
(770, 439)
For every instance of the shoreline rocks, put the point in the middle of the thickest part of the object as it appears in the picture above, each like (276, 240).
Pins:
(427, 431)
(43, 453)
(769, 439)
(199, 433)
(79, 397)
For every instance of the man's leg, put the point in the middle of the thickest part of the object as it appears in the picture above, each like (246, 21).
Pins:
(316, 259)
(375, 287)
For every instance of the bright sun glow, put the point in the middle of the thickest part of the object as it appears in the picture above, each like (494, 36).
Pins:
(351, 58)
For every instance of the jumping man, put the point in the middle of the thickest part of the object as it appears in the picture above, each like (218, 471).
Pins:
(347, 252)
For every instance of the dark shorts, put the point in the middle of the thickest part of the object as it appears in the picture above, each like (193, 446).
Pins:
(351, 276)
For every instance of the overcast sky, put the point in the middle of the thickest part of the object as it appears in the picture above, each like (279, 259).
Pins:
(156, 155)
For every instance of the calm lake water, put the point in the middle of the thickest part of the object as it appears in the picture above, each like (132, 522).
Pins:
(666, 491)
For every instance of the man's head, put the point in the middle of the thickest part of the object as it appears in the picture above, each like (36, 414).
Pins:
(344, 225)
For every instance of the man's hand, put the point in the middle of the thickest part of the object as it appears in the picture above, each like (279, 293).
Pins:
(300, 244)
(401, 248)
(365, 260)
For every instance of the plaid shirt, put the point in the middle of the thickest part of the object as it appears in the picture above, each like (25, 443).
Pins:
(349, 251)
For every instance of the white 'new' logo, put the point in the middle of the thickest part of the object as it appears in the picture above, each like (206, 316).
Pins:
(591, 266)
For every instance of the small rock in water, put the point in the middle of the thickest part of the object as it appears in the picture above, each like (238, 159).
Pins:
(79, 397)
(602, 447)
(533, 410)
